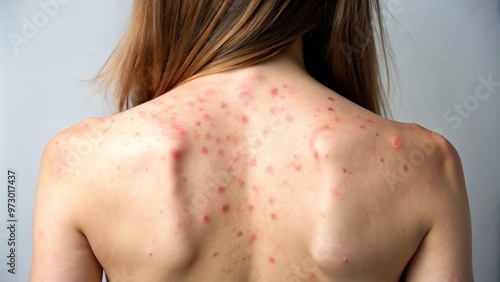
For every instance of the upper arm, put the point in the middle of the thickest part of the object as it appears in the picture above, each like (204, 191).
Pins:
(445, 253)
(60, 251)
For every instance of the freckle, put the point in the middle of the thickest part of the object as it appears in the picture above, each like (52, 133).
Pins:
(331, 109)
(274, 216)
(206, 218)
(223, 105)
(215, 254)
(395, 142)
(271, 259)
(377, 134)
(225, 208)
(204, 150)
(274, 92)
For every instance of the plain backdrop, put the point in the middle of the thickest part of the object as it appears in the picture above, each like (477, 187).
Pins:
(446, 52)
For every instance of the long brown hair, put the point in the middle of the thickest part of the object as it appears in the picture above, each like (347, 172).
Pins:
(170, 42)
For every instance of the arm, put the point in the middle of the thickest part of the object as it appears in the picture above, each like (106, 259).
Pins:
(60, 251)
(445, 253)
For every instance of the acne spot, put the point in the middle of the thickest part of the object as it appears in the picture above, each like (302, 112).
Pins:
(223, 105)
(206, 218)
(271, 260)
(274, 216)
(225, 208)
(265, 132)
(362, 127)
(377, 134)
(251, 208)
(215, 254)
(205, 150)
(316, 155)
(270, 170)
(337, 119)
(136, 134)
(253, 162)
(244, 119)
(405, 168)
(272, 201)
(382, 160)
(239, 233)
(395, 142)
(370, 120)
(221, 152)
(246, 97)
(253, 238)
(207, 117)
(274, 92)
(331, 109)
(345, 260)
(198, 123)
(331, 99)
(289, 118)
(208, 137)
(175, 154)
(150, 254)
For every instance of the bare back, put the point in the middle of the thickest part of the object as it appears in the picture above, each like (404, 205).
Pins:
(246, 178)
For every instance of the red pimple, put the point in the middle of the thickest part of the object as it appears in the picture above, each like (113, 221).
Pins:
(405, 167)
(382, 160)
(337, 119)
(331, 109)
(225, 208)
(208, 137)
(221, 190)
(175, 154)
(198, 123)
(221, 152)
(331, 99)
(150, 254)
(395, 142)
(274, 92)
(239, 234)
(206, 218)
(316, 155)
(253, 238)
(270, 169)
(274, 216)
(244, 119)
(207, 117)
(204, 150)
(272, 201)
(253, 162)
(271, 259)
(215, 254)
(297, 167)
(362, 127)
(223, 105)
(251, 208)
(344, 170)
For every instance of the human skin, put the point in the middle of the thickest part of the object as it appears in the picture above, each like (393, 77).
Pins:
(255, 174)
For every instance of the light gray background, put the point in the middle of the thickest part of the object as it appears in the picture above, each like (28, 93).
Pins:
(442, 49)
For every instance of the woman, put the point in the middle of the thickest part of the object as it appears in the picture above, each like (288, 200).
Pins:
(248, 147)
